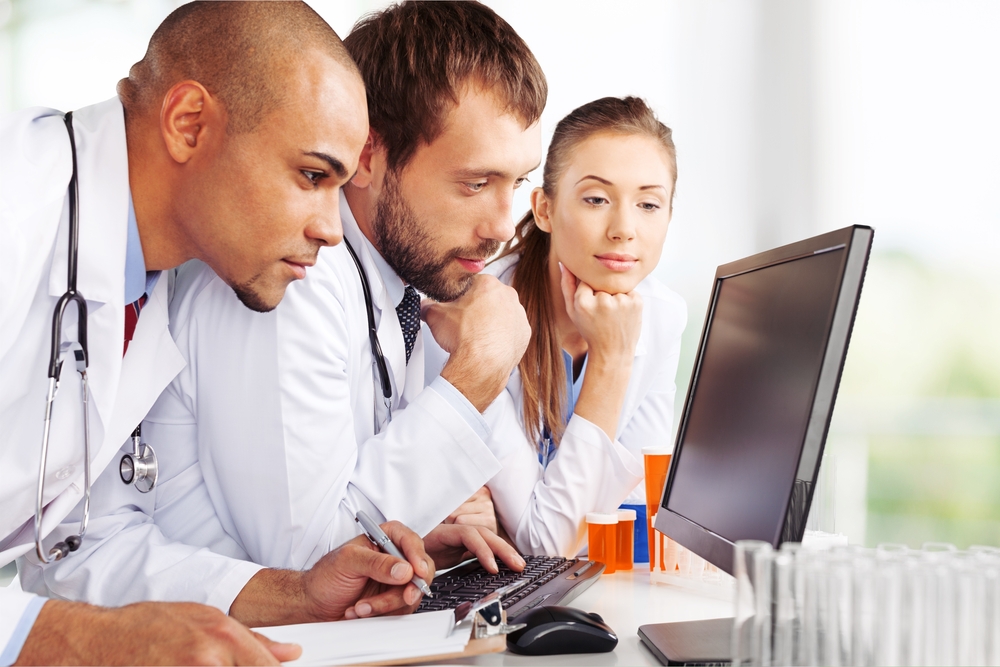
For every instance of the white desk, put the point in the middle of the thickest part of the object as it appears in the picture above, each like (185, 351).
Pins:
(625, 600)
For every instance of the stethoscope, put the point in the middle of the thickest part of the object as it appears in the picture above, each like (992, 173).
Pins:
(378, 359)
(142, 464)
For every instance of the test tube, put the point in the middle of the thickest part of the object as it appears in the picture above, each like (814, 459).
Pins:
(989, 564)
(815, 604)
(940, 617)
(970, 608)
(783, 642)
(656, 462)
(864, 634)
(670, 554)
(914, 618)
(889, 593)
(751, 636)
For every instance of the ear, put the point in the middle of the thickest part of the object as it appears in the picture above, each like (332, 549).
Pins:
(541, 208)
(189, 118)
(372, 164)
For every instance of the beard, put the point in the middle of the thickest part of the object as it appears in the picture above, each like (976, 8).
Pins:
(250, 298)
(408, 248)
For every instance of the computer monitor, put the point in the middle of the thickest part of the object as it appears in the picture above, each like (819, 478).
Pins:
(761, 396)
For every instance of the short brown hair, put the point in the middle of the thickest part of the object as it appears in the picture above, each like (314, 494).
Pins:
(543, 374)
(416, 57)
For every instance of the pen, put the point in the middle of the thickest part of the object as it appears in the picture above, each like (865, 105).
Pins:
(382, 541)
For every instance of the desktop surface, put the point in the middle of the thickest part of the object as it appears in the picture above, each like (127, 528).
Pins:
(626, 600)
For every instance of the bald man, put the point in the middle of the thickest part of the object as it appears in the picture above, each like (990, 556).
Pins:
(229, 142)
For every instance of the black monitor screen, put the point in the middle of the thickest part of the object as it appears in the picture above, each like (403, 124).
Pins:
(747, 419)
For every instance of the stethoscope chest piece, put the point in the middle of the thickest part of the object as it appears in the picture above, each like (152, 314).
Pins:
(139, 468)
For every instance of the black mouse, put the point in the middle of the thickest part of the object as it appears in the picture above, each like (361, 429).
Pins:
(553, 630)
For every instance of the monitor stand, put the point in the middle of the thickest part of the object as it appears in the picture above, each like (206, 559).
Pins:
(690, 642)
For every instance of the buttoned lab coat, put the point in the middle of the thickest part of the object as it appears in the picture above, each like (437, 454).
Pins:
(34, 223)
(543, 509)
(276, 413)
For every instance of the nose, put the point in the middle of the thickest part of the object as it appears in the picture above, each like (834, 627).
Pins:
(325, 228)
(498, 225)
(621, 227)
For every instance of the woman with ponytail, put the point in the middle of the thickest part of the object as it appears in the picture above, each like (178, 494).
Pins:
(596, 383)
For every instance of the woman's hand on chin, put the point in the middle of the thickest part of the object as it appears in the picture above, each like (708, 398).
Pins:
(610, 323)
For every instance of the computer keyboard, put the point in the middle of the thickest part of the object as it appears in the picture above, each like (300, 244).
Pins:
(547, 581)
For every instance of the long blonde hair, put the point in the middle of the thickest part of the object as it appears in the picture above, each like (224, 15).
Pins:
(543, 374)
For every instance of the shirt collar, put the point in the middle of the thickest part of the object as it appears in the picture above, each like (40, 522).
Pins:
(137, 280)
(394, 285)
(573, 387)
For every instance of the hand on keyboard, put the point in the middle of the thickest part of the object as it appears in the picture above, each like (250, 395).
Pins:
(546, 583)
(450, 544)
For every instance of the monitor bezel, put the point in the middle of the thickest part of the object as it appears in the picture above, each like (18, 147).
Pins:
(857, 241)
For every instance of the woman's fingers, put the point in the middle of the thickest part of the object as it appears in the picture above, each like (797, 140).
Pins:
(569, 283)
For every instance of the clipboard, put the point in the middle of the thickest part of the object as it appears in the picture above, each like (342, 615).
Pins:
(489, 629)
(474, 628)
(494, 644)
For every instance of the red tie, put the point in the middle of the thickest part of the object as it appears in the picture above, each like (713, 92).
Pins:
(131, 319)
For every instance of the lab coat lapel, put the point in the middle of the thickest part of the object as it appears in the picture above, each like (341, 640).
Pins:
(102, 175)
(415, 380)
(150, 365)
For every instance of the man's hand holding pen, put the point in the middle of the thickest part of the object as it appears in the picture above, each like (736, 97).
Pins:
(357, 580)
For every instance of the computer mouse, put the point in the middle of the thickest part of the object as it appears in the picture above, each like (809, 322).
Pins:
(552, 630)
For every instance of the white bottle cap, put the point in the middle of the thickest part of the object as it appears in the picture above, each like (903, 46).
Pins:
(658, 450)
(602, 519)
(626, 515)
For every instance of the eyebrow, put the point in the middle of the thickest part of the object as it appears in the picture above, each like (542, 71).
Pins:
(607, 182)
(335, 164)
(487, 173)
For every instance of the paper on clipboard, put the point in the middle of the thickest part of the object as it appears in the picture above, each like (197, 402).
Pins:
(381, 639)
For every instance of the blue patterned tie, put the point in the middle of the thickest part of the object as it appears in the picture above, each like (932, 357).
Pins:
(408, 312)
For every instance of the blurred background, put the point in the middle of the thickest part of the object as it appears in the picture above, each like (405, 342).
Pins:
(791, 117)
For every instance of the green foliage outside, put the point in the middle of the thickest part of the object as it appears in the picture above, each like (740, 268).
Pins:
(926, 354)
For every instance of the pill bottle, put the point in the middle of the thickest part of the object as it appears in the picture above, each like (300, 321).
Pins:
(602, 539)
(626, 534)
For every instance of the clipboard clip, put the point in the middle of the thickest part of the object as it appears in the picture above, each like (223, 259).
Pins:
(487, 616)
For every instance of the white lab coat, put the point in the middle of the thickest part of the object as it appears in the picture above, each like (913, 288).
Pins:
(34, 211)
(278, 410)
(544, 509)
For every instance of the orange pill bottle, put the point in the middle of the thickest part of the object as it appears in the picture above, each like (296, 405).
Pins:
(602, 539)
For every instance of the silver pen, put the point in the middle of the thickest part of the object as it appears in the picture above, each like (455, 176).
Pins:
(382, 541)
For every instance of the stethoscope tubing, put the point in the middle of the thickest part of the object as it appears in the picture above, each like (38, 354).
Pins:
(57, 355)
(376, 347)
